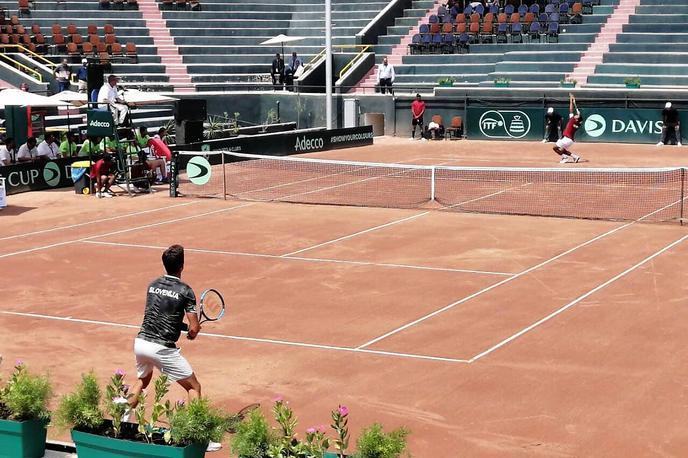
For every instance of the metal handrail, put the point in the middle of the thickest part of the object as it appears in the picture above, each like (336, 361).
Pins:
(318, 56)
(36, 56)
(355, 59)
(23, 68)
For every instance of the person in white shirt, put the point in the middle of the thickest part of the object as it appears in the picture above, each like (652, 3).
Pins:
(385, 76)
(7, 152)
(108, 94)
(27, 152)
(48, 149)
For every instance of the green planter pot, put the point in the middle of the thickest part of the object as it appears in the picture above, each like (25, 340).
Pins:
(446, 84)
(332, 455)
(95, 446)
(569, 85)
(22, 439)
(501, 84)
(632, 86)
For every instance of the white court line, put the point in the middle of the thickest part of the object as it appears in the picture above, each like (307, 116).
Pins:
(518, 275)
(306, 259)
(490, 195)
(577, 300)
(102, 220)
(136, 228)
(247, 339)
(391, 223)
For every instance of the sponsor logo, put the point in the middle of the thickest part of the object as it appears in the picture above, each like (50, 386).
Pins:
(351, 137)
(595, 125)
(51, 174)
(199, 171)
(504, 124)
(96, 123)
(163, 292)
(306, 144)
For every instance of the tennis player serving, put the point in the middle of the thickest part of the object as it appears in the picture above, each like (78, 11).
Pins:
(572, 126)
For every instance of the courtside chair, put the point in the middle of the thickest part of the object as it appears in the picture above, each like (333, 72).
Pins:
(437, 119)
(455, 130)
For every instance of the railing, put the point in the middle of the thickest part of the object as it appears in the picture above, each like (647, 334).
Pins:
(23, 50)
(356, 58)
(21, 67)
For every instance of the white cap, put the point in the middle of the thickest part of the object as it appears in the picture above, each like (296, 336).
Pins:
(84, 61)
(550, 110)
(667, 105)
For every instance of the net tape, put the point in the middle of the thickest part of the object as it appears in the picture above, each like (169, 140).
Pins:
(644, 194)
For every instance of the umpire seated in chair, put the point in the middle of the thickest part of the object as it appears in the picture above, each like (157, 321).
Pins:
(108, 96)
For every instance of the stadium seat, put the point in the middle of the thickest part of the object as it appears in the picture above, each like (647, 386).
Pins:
(564, 13)
(463, 43)
(436, 44)
(549, 9)
(527, 20)
(448, 43)
(460, 28)
(486, 32)
(515, 17)
(479, 9)
(104, 4)
(447, 28)
(455, 130)
(415, 47)
(442, 10)
(461, 18)
(24, 8)
(87, 48)
(77, 39)
(474, 32)
(116, 49)
(59, 44)
(535, 9)
(130, 49)
(553, 32)
(57, 29)
(433, 19)
(434, 28)
(92, 29)
(71, 29)
(516, 33)
(108, 29)
(426, 40)
(475, 17)
(509, 9)
(72, 49)
(468, 10)
(489, 17)
(494, 9)
(502, 29)
(576, 13)
(522, 10)
(94, 40)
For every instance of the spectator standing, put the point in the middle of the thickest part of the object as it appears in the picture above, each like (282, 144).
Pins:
(7, 152)
(417, 112)
(27, 152)
(63, 74)
(48, 149)
(277, 71)
(553, 122)
(385, 76)
(82, 76)
(109, 95)
(68, 147)
(672, 124)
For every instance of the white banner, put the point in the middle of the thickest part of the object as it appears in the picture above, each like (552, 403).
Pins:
(3, 194)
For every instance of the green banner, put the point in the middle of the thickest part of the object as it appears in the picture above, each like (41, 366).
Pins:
(622, 125)
(99, 123)
(505, 123)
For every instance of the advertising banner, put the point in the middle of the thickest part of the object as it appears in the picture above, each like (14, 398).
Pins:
(37, 175)
(99, 123)
(504, 123)
(622, 125)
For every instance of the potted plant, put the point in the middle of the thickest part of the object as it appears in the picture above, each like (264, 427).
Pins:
(568, 82)
(446, 82)
(375, 443)
(502, 82)
(253, 437)
(171, 431)
(24, 413)
(632, 82)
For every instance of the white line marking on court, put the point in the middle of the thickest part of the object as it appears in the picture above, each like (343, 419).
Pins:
(174, 220)
(302, 258)
(577, 300)
(59, 228)
(491, 287)
(247, 339)
(391, 223)
(490, 195)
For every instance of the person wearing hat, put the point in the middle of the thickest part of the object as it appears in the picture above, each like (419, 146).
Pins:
(552, 126)
(671, 124)
(101, 173)
(82, 76)
(108, 95)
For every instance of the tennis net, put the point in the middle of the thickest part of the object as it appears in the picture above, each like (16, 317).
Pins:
(645, 194)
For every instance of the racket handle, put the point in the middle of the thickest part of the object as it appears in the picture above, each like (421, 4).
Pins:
(185, 327)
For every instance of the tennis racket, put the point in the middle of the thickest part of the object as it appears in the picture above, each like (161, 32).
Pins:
(212, 306)
(238, 417)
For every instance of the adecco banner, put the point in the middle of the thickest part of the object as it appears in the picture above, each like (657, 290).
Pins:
(622, 125)
(505, 123)
(99, 123)
(34, 176)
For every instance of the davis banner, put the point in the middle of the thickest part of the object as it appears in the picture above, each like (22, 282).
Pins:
(505, 123)
(34, 176)
(623, 125)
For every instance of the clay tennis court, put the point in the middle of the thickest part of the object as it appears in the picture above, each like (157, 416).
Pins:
(486, 335)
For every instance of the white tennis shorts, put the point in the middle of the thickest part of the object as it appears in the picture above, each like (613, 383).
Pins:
(564, 142)
(169, 361)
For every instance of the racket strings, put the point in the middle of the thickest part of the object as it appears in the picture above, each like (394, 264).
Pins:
(212, 305)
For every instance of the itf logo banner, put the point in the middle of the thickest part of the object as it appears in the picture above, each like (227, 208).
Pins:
(505, 123)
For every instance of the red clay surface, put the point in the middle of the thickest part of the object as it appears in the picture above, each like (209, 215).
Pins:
(486, 335)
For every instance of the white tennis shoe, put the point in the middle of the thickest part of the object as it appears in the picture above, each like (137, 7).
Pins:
(213, 447)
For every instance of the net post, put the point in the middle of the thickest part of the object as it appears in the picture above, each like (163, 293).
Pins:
(432, 184)
(224, 177)
(683, 184)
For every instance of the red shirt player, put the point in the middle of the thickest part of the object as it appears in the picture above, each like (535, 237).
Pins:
(572, 126)
(101, 172)
(417, 111)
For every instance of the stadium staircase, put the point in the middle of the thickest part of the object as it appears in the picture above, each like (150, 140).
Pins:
(524, 64)
(169, 53)
(653, 46)
(607, 36)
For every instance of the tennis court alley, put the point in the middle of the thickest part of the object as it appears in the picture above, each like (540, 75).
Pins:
(485, 334)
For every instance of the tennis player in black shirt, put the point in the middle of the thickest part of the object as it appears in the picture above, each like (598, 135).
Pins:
(168, 301)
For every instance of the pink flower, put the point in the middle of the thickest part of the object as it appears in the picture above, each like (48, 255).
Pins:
(19, 362)
(120, 372)
(180, 403)
(311, 430)
(125, 389)
(322, 428)
(278, 399)
(343, 411)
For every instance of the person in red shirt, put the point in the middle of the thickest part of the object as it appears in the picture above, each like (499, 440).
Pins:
(101, 172)
(417, 111)
(565, 142)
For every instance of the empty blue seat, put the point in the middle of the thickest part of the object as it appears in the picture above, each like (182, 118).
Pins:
(535, 9)
(522, 10)
(424, 29)
(433, 19)
(509, 9)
